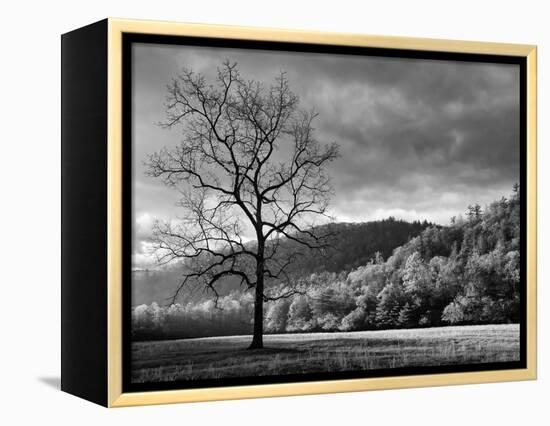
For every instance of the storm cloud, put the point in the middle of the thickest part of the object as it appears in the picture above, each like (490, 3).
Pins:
(419, 139)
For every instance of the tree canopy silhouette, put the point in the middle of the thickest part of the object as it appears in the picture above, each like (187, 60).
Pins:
(248, 164)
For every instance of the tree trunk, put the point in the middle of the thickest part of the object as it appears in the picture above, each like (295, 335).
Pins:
(258, 336)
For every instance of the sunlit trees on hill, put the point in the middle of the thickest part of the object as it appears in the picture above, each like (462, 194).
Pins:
(465, 273)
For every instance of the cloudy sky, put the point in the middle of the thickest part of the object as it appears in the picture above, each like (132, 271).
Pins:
(419, 139)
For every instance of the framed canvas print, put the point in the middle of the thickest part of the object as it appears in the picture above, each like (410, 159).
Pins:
(250, 212)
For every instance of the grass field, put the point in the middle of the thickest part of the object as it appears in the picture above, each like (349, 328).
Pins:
(220, 357)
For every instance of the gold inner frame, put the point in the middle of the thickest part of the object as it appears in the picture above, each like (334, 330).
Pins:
(116, 398)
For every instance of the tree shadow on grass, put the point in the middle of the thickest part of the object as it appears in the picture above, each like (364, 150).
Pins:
(269, 350)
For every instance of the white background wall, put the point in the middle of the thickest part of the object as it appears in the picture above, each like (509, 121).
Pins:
(30, 200)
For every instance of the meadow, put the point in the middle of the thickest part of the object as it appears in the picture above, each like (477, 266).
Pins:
(225, 357)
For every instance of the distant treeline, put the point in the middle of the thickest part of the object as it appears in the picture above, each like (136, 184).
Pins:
(465, 273)
(354, 244)
(350, 245)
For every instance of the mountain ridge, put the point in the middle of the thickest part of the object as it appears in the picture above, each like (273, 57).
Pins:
(351, 245)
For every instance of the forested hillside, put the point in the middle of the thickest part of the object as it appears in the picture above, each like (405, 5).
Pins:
(354, 244)
(465, 273)
(349, 245)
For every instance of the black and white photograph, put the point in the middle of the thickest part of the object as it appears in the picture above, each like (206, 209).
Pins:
(310, 215)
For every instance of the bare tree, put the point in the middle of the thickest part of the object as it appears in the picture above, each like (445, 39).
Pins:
(248, 164)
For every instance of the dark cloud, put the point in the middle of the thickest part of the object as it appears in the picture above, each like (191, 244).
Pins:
(418, 138)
